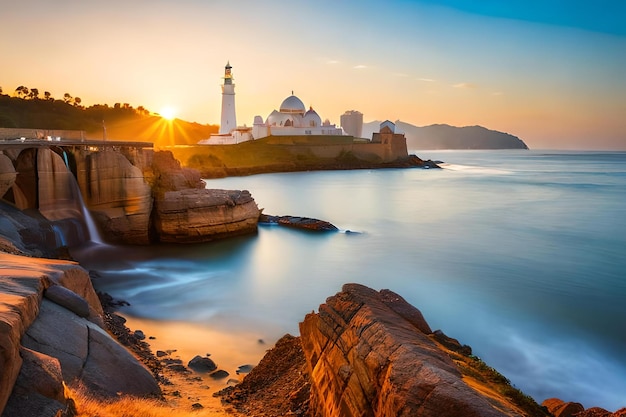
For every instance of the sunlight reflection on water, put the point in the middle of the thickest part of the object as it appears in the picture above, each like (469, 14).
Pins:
(522, 260)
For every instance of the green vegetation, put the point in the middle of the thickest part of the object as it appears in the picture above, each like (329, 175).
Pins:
(28, 109)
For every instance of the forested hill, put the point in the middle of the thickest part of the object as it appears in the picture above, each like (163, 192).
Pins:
(451, 137)
(121, 121)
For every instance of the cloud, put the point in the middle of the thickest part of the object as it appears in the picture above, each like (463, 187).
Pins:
(497, 93)
(465, 85)
(360, 66)
(427, 80)
(332, 61)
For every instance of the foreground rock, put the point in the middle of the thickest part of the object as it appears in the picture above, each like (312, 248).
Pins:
(51, 337)
(370, 353)
(367, 356)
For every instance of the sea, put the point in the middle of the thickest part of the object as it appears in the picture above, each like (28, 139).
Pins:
(519, 254)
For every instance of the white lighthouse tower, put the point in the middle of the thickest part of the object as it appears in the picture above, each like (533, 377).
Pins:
(229, 118)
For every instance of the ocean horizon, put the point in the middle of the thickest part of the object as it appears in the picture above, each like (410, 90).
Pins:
(518, 254)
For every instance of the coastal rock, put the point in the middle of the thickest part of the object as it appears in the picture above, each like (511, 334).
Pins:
(46, 333)
(20, 294)
(39, 389)
(118, 196)
(306, 223)
(170, 176)
(202, 364)
(366, 359)
(200, 215)
(58, 193)
(7, 174)
(87, 354)
(560, 408)
(68, 299)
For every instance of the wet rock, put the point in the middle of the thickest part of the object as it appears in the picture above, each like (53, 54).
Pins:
(219, 374)
(305, 223)
(202, 364)
(244, 369)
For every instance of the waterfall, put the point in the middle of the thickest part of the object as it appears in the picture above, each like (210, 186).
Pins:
(94, 233)
(58, 195)
(59, 236)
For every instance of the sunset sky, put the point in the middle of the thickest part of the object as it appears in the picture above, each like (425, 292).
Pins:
(552, 72)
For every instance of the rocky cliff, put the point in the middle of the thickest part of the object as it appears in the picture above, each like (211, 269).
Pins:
(51, 337)
(135, 196)
(369, 353)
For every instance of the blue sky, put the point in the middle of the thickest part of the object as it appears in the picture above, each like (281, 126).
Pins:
(604, 16)
(551, 72)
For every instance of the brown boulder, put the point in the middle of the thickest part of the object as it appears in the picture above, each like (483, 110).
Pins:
(560, 408)
(201, 215)
(366, 358)
(39, 389)
(87, 354)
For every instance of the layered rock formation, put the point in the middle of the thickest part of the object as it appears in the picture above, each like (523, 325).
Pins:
(135, 195)
(369, 354)
(119, 196)
(186, 212)
(194, 215)
(50, 336)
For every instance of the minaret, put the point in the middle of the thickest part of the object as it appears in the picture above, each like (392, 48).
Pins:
(229, 118)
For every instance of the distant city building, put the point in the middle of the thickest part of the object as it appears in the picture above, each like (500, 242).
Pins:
(352, 123)
(292, 119)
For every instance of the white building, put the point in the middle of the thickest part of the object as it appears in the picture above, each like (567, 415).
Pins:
(292, 119)
(229, 115)
(352, 123)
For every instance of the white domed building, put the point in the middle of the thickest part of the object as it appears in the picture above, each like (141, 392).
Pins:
(293, 120)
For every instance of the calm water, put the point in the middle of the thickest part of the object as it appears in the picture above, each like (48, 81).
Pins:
(519, 254)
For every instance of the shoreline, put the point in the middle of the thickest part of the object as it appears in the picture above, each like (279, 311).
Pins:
(163, 351)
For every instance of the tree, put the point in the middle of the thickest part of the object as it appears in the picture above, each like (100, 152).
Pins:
(34, 93)
(0, 90)
(67, 98)
(21, 91)
(47, 95)
(77, 101)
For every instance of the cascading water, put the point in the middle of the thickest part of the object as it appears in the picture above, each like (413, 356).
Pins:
(92, 229)
(94, 233)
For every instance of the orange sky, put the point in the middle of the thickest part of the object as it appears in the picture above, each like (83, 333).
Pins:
(554, 85)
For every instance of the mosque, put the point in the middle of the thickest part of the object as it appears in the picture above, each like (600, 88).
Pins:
(292, 119)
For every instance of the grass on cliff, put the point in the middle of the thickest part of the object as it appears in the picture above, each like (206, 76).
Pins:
(88, 406)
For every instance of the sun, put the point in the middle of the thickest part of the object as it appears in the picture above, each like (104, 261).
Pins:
(168, 113)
